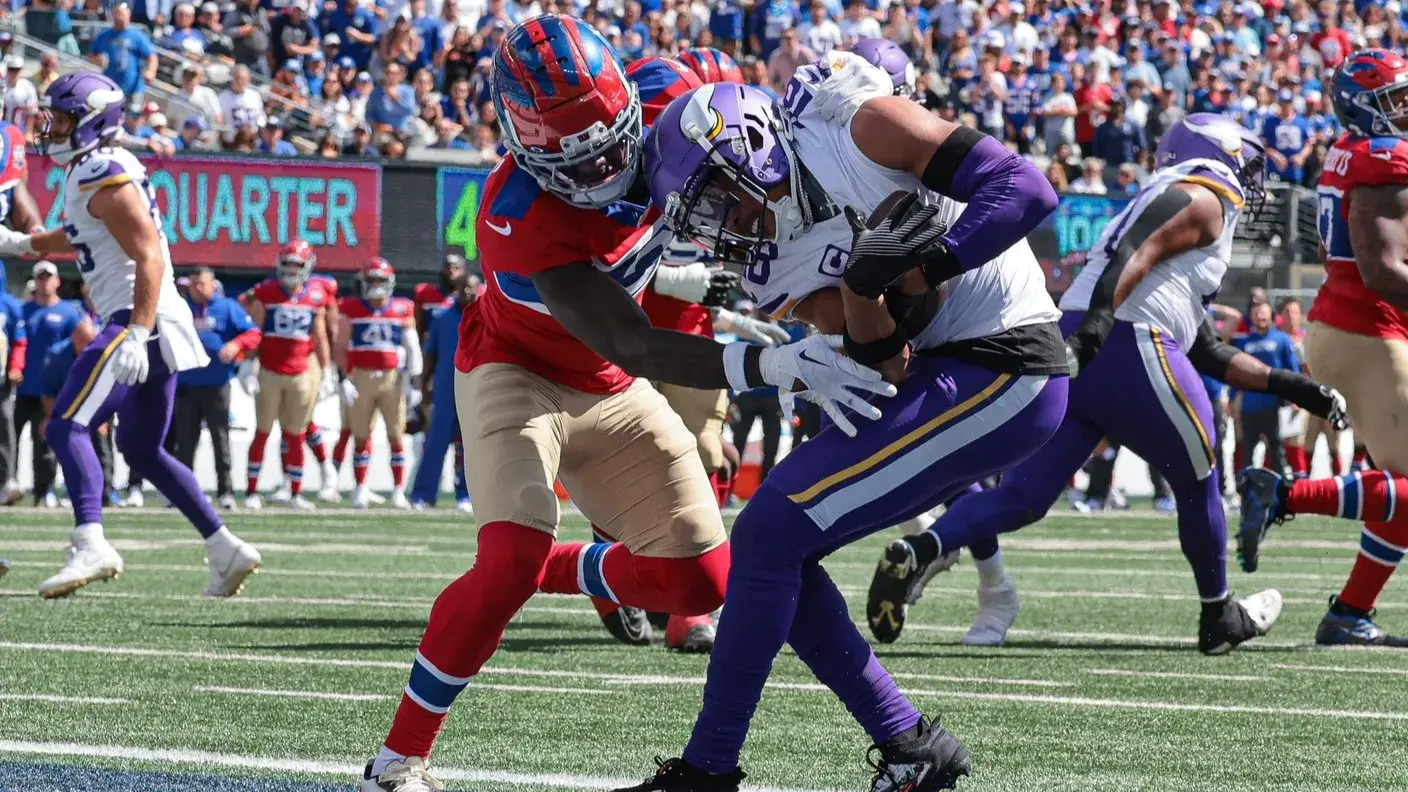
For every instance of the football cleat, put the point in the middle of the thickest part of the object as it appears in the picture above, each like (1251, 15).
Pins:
(361, 498)
(227, 502)
(690, 634)
(329, 491)
(51, 501)
(375, 499)
(4, 567)
(230, 564)
(134, 498)
(1263, 496)
(281, 495)
(419, 505)
(254, 501)
(997, 610)
(629, 626)
(398, 499)
(1165, 505)
(465, 507)
(943, 563)
(89, 560)
(1344, 625)
(300, 502)
(660, 620)
(887, 604)
(407, 776)
(10, 494)
(934, 759)
(1225, 625)
(677, 775)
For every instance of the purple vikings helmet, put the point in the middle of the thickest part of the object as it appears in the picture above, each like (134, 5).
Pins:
(79, 112)
(720, 164)
(1209, 136)
(887, 55)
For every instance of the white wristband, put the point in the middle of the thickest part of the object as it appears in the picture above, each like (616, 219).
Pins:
(734, 355)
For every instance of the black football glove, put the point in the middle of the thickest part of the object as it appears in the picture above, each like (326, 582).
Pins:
(903, 233)
(721, 285)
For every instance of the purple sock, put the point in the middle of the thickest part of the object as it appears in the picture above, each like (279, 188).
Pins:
(143, 420)
(73, 445)
(1202, 533)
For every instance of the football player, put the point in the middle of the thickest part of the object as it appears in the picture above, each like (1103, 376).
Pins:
(554, 368)
(984, 388)
(19, 211)
(113, 228)
(1141, 303)
(711, 65)
(1358, 342)
(291, 309)
(377, 331)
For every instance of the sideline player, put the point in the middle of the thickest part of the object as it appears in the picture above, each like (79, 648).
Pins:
(984, 387)
(1358, 343)
(291, 310)
(375, 333)
(114, 229)
(438, 386)
(553, 366)
(21, 213)
(1140, 302)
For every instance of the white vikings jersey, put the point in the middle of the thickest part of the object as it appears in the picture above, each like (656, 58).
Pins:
(1175, 294)
(1005, 293)
(107, 270)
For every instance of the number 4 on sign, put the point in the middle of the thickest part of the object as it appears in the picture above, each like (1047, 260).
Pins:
(461, 230)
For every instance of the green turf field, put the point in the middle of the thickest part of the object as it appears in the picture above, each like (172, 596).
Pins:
(297, 678)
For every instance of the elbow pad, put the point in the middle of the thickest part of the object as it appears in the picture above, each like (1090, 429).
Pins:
(1209, 354)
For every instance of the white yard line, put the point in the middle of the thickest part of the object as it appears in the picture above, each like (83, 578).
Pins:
(51, 699)
(327, 767)
(342, 548)
(1073, 701)
(1122, 672)
(1341, 669)
(324, 696)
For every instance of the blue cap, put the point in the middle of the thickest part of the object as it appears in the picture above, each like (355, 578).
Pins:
(196, 122)
(316, 57)
(1285, 96)
(292, 65)
(346, 62)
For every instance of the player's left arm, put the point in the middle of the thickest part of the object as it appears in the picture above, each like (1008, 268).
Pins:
(1222, 361)
(321, 349)
(1006, 196)
(410, 341)
(24, 210)
(1378, 231)
(129, 219)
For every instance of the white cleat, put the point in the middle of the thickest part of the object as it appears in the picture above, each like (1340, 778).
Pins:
(254, 501)
(330, 494)
(281, 495)
(398, 499)
(465, 507)
(49, 501)
(407, 776)
(997, 610)
(375, 499)
(300, 502)
(134, 499)
(89, 560)
(1264, 608)
(230, 564)
(943, 563)
(329, 471)
(361, 498)
(227, 502)
(11, 494)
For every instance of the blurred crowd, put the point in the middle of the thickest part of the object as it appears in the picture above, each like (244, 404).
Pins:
(1084, 87)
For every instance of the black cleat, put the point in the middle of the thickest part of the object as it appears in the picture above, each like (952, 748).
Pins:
(888, 602)
(629, 626)
(1345, 625)
(931, 760)
(1225, 625)
(1263, 505)
(658, 619)
(677, 775)
(4, 567)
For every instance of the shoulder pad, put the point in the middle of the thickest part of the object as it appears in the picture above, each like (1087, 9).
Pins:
(106, 167)
(1376, 161)
(840, 83)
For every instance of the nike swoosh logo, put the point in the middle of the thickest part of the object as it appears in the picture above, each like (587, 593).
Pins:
(505, 229)
(1383, 155)
(803, 356)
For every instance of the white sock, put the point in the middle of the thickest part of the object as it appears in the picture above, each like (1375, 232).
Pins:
(386, 757)
(86, 534)
(990, 570)
(917, 525)
(221, 538)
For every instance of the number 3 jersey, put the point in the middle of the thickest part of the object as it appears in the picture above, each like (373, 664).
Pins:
(1175, 294)
(523, 230)
(1006, 293)
(287, 338)
(1344, 302)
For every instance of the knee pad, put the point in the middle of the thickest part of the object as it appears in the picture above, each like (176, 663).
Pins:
(515, 556)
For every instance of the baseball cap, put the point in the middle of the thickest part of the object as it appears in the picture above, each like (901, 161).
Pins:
(364, 77)
(44, 268)
(1017, 8)
(156, 120)
(209, 8)
(1285, 96)
(316, 57)
(196, 122)
(346, 62)
(332, 40)
(292, 65)
(273, 122)
(14, 62)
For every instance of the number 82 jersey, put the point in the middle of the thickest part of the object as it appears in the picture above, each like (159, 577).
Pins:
(1344, 302)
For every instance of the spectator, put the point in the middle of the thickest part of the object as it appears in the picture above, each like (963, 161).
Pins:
(1092, 101)
(459, 59)
(486, 143)
(786, 58)
(448, 18)
(768, 20)
(1260, 413)
(1138, 69)
(1118, 140)
(988, 96)
(1019, 106)
(423, 88)
(447, 136)
(456, 104)
(1056, 174)
(21, 99)
(182, 36)
(161, 128)
(1127, 179)
(356, 28)
(1136, 104)
(1289, 142)
(241, 106)
(1092, 177)
(425, 28)
(12, 354)
(248, 27)
(361, 143)
(1017, 33)
(48, 72)
(226, 331)
(726, 21)
(126, 54)
(203, 102)
(1176, 80)
(47, 321)
(91, 18)
(217, 44)
(392, 104)
(857, 23)
(422, 131)
(288, 85)
(328, 146)
(1333, 44)
(756, 75)
(293, 35)
(819, 34)
(1059, 112)
(400, 44)
(1098, 58)
(134, 123)
(315, 70)
(904, 33)
(192, 137)
(332, 111)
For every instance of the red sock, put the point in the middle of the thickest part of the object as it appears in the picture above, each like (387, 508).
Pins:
(680, 586)
(398, 464)
(256, 461)
(339, 451)
(722, 487)
(1381, 549)
(1360, 460)
(293, 462)
(314, 437)
(466, 624)
(360, 460)
(1299, 460)
(1372, 495)
(604, 607)
(677, 629)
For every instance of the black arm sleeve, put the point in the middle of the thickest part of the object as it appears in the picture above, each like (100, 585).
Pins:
(1209, 354)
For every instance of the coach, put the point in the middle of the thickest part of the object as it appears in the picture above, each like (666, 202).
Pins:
(47, 321)
(1261, 417)
(227, 333)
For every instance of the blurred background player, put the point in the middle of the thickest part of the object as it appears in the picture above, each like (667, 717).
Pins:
(47, 321)
(443, 429)
(313, 434)
(18, 211)
(114, 228)
(1358, 343)
(61, 357)
(375, 333)
(291, 312)
(710, 66)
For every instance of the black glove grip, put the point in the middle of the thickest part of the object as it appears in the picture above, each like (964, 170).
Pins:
(1300, 390)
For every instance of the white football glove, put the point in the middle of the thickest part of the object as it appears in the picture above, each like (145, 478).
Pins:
(414, 398)
(249, 377)
(13, 243)
(812, 369)
(853, 81)
(349, 393)
(1339, 412)
(695, 283)
(328, 387)
(129, 361)
(765, 333)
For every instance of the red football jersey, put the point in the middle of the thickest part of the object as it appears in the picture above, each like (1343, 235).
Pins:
(377, 332)
(1344, 301)
(523, 230)
(288, 324)
(427, 295)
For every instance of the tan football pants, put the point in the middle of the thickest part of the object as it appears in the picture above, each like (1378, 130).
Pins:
(1372, 373)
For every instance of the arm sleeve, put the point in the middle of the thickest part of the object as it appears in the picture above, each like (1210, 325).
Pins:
(411, 341)
(18, 345)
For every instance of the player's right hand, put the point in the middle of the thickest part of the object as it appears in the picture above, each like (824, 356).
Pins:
(13, 243)
(814, 370)
(349, 393)
(129, 363)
